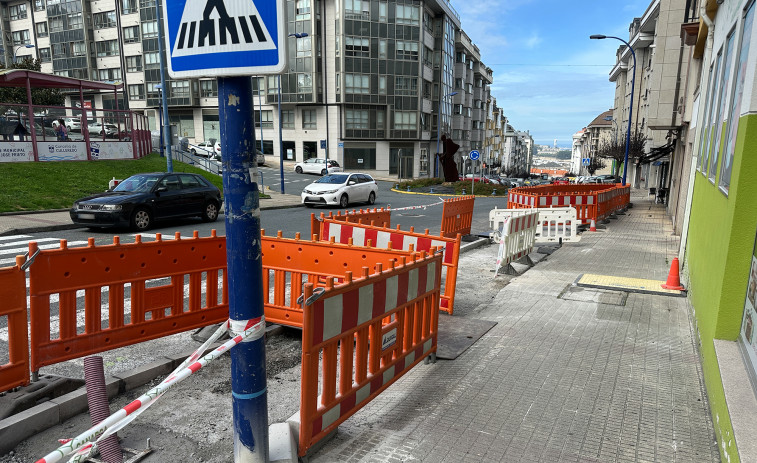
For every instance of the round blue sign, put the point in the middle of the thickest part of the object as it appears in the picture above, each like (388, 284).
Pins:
(474, 155)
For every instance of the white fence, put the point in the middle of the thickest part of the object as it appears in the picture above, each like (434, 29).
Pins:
(553, 224)
(517, 236)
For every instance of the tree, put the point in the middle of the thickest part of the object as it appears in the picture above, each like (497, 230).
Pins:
(595, 164)
(616, 150)
(563, 154)
(40, 96)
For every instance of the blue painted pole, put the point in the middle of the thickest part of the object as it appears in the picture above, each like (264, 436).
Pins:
(165, 134)
(244, 264)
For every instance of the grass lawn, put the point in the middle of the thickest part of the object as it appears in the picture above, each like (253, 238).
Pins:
(33, 186)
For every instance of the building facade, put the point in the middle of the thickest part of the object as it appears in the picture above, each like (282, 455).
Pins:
(371, 84)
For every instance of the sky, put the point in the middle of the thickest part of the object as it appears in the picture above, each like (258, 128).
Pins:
(549, 77)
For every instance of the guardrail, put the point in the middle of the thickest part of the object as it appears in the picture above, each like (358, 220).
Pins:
(361, 234)
(554, 224)
(359, 337)
(457, 216)
(377, 217)
(13, 294)
(517, 237)
(591, 201)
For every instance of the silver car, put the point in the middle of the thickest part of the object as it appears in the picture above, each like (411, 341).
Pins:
(340, 189)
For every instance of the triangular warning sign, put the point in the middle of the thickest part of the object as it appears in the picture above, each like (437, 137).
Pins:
(207, 26)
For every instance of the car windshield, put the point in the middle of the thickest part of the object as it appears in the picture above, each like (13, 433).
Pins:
(332, 179)
(137, 184)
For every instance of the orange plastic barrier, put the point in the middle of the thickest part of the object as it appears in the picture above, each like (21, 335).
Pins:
(399, 239)
(362, 336)
(378, 217)
(291, 263)
(153, 273)
(457, 216)
(591, 201)
(13, 294)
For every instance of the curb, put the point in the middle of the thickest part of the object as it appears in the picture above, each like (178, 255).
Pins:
(445, 194)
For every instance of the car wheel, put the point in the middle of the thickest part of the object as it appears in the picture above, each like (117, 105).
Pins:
(344, 201)
(194, 153)
(210, 213)
(323, 172)
(372, 198)
(309, 206)
(298, 169)
(141, 219)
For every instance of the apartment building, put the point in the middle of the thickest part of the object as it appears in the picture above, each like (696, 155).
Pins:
(589, 140)
(368, 83)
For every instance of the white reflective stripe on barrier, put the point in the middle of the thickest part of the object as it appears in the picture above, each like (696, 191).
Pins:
(517, 236)
(552, 225)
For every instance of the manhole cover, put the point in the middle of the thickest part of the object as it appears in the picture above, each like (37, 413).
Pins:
(599, 296)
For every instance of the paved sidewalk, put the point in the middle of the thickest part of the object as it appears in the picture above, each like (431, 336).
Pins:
(567, 374)
(61, 220)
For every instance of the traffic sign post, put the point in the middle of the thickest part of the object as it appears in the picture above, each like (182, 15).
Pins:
(232, 40)
(474, 156)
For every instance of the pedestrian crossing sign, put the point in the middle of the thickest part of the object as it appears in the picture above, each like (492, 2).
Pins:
(224, 37)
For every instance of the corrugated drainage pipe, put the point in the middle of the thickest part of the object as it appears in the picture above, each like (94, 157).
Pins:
(97, 398)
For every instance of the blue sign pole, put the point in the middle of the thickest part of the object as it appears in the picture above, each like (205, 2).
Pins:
(163, 94)
(244, 264)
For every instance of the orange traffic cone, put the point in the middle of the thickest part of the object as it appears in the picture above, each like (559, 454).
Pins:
(593, 226)
(674, 280)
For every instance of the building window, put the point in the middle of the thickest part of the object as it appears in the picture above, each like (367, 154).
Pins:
(272, 87)
(405, 85)
(17, 11)
(107, 48)
(405, 120)
(477, 104)
(105, 19)
(309, 119)
(408, 15)
(304, 83)
(383, 11)
(134, 63)
(287, 119)
(459, 83)
(428, 22)
(303, 47)
(457, 109)
(39, 5)
(209, 88)
(129, 6)
(41, 29)
(428, 56)
(356, 46)
(180, 89)
(21, 37)
(59, 50)
(460, 57)
(75, 21)
(302, 10)
(131, 34)
(149, 29)
(357, 83)
(382, 85)
(147, 4)
(266, 117)
(112, 74)
(44, 55)
(56, 24)
(152, 90)
(357, 9)
(152, 60)
(407, 50)
(356, 119)
(380, 119)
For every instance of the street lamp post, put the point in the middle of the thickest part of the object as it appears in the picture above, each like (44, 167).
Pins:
(439, 131)
(160, 116)
(630, 104)
(15, 50)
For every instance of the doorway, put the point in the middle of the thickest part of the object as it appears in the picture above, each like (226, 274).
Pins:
(309, 150)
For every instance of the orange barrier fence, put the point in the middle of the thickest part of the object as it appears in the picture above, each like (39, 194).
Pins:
(457, 216)
(13, 294)
(360, 234)
(378, 217)
(591, 201)
(361, 336)
(291, 263)
(152, 273)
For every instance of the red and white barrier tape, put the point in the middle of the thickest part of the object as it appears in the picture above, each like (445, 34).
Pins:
(409, 208)
(84, 445)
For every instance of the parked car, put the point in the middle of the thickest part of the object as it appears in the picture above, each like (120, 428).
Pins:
(205, 149)
(607, 178)
(475, 178)
(260, 157)
(341, 189)
(71, 123)
(102, 130)
(317, 166)
(560, 181)
(142, 199)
